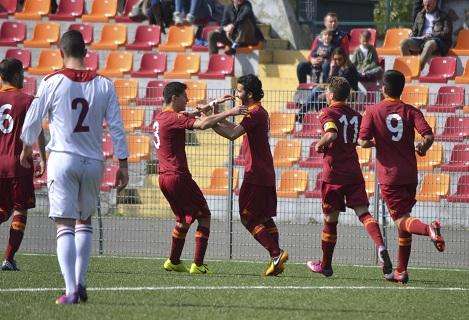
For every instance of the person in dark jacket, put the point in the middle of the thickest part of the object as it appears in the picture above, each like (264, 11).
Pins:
(238, 28)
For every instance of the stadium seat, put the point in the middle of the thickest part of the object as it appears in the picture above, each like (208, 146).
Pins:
(112, 36)
(392, 41)
(466, 109)
(196, 92)
(293, 183)
(433, 158)
(416, 95)
(434, 187)
(441, 70)
(462, 191)
(240, 160)
(109, 179)
(314, 159)
(29, 85)
(139, 147)
(9, 7)
(464, 78)
(311, 127)
(126, 90)
(316, 192)
(101, 11)
(24, 55)
(153, 94)
(45, 34)
(364, 156)
(152, 65)
(281, 123)
(204, 36)
(449, 99)
(179, 38)
(219, 182)
(117, 64)
(287, 153)
(92, 61)
(462, 44)
(185, 65)
(431, 120)
(355, 38)
(12, 33)
(125, 18)
(133, 118)
(219, 66)
(85, 29)
(108, 147)
(409, 66)
(68, 10)
(146, 38)
(33, 10)
(456, 129)
(369, 178)
(49, 61)
(459, 161)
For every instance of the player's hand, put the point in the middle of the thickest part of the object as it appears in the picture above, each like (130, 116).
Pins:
(420, 150)
(225, 98)
(320, 148)
(26, 157)
(122, 179)
(203, 109)
(41, 169)
(239, 110)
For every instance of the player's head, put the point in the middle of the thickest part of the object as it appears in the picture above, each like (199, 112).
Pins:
(338, 89)
(429, 5)
(331, 21)
(393, 83)
(72, 45)
(175, 95)
(11, 72)
(249, 89)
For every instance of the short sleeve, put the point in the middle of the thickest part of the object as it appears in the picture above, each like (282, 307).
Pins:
(421, 125)
(183, 121)
(327, 121)
(367, 126)
(249, 122)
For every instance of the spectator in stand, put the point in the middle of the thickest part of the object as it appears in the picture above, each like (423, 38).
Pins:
(339, 39)
(322, 56)
(431, 33)
(365, 59)
(160, 12)
(238, 28)
(192, 9)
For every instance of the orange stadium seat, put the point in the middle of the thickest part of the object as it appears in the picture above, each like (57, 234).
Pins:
(45, 34)
(316, 192)
(433, 158)
(49, 61)
(9, 7)
(464, 78)
(293, 183)
(133, 118)
(117, 63)
(12, 33)
(196, 92)
(416, 95)
(434, 187)
(364, 156)
(112, 36)
(409, 66)
(281, 123)
(33, 10)
(219, 182)
(139, 147)
(462, 44)
(185, 65)
(431, 122)
(392, 41)
(369, 183)
(101, 11)
(68, 10)
(126, 90)
(179, 38)
(24, 55)
(287, 153)
(85, 29)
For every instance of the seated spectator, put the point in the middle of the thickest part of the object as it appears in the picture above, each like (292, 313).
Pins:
(322, 56)
(339, 39)
(160, 12)
(365, 59)
(238, 28)
(192, 9)
(431, 33)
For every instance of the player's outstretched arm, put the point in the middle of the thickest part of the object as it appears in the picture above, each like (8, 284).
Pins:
(327, 138)
(229, 130)
(204, 122)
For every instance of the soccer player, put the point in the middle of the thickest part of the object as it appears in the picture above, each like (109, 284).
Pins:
(76, 101)
(391, 123)
(180, 190)
(16, 182)
(342, 179)
(258, 196)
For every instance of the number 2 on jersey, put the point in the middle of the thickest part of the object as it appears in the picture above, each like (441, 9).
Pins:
(397, 129)
(84, 111)
(354, 122)
(5, 116)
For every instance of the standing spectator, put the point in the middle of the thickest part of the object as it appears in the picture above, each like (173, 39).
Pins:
(431, 33)
(238, 29)
(365, 59)
(339, 39)
(322, 54)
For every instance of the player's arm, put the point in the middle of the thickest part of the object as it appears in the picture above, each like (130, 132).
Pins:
(330, 135)
(424, 129)
(41, 142)
(206, 122)
(422, 147)
(229, 130)
(205, 109)
(365, 137)
(366, 143)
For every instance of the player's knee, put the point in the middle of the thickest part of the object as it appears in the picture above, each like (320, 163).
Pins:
(64, 222)
(332, 217)
(361, 210)
(398, 221)
(204, 222)
(87, 221)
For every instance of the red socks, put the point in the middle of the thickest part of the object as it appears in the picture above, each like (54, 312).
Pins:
(403, 251)
(372, 227)
(201, 241)
(414, 226)
(16, 236)
(328, 241)
(262, 236)
(272, 229)
(179, 238)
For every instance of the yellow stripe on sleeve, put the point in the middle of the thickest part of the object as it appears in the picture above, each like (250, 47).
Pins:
(329, 126)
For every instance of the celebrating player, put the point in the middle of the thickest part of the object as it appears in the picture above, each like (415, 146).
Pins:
(182, 192)
(258, 196)
(391, 123)
(16, 182)
(342, 178)
(77, 101)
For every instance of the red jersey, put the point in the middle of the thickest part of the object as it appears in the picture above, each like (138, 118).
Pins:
(259, 165)
(13, 107)
(340, 162)
(170, 141)
(391, 123)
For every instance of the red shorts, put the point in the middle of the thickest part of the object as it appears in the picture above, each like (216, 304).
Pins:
(185, 198)
(399, 199)
(17, 193)
(336, 196)
(257, 201)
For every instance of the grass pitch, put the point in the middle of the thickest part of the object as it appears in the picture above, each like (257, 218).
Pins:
(128, 288)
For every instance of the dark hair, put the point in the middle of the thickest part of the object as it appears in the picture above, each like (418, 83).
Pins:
(9, 68)
(327, 32)
(340, 88)
(366, 34)
(393, 83)
(331, 14)
(252, 84)
(72, 44)
(341, 52)
(173, 89)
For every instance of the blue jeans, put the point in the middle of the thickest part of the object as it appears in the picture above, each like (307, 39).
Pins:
(187, 6)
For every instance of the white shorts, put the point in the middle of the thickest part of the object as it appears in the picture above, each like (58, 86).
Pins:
(73, 183)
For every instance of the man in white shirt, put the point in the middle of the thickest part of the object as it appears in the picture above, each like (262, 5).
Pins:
(76, 101)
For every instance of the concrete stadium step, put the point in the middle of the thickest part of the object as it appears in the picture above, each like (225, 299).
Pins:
(289, 56)
(277, 70)
(279, 84)
(276, 44)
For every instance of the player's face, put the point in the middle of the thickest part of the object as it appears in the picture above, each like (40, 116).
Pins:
(429, 5)
(180, 102)
(242, 94)
(328, 96)
(330, 23)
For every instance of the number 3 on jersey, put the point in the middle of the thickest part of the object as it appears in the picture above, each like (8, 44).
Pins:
(6, 117)
(396, 127)
(354, 122)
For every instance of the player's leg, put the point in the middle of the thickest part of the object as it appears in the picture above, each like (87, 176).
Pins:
(17, 227)
(202, 235)
(174, 263)
(416, 226)
(272, 229)
(6, 210)
(83, 247)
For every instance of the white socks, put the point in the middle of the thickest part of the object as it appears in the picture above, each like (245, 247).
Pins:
(83, 244)
(66, 254)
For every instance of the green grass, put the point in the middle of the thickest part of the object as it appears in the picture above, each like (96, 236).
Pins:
(228, 303)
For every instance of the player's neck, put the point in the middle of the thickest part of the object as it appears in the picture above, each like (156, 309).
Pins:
(335, 103)
(75, 64)
(389, 98)
(5, 86)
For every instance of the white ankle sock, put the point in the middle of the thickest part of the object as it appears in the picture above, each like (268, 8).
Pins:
(66, 255)
(83, 244)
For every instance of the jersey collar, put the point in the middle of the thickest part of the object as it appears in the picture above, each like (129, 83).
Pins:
(392, 100)
(337, 104)
(254, 106)
(7, 88)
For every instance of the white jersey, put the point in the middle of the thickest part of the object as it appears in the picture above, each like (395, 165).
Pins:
(76, 103)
